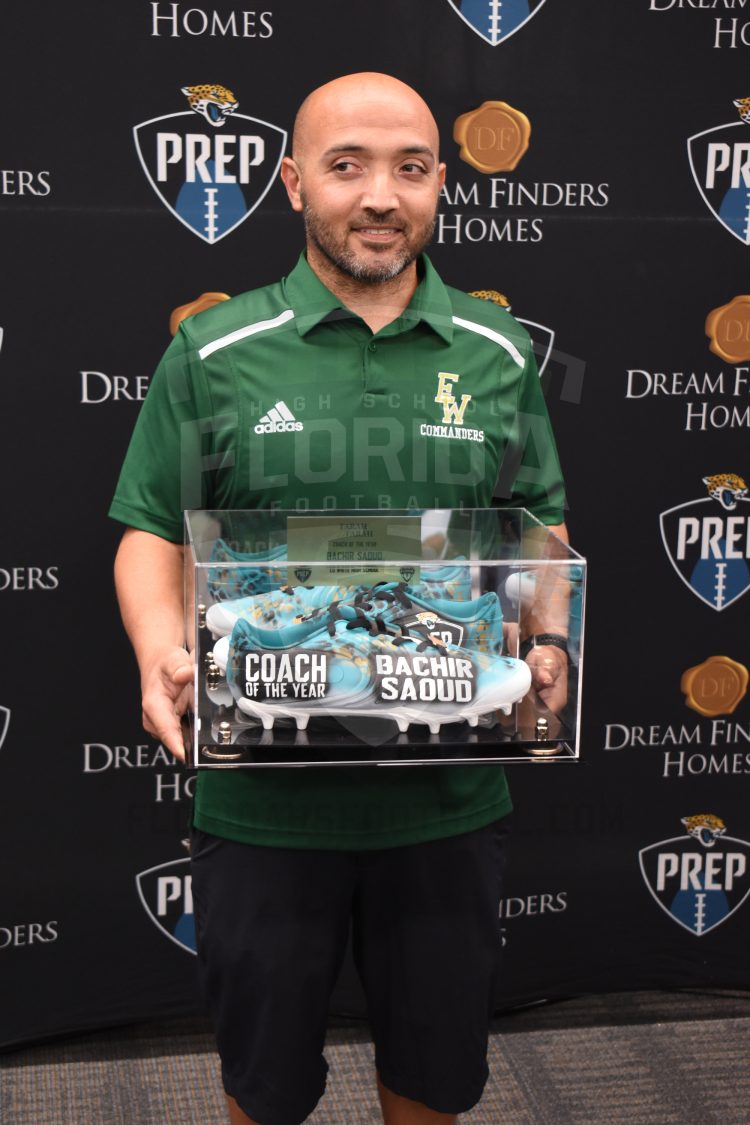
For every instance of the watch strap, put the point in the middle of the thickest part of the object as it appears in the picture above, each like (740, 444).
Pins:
(557, 640)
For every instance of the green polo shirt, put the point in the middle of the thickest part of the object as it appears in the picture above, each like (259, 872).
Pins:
(441, 408)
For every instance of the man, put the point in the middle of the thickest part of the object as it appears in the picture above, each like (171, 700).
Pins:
(358, 337)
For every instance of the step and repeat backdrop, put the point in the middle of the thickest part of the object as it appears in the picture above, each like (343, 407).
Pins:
(599, 177)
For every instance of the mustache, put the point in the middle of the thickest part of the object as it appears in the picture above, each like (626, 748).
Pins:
(378, 219)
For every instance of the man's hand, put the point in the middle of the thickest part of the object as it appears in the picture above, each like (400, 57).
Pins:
(549, 675)
(167, 688)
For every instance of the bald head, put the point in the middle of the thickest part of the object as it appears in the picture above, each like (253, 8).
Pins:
(367, 98)
(365, 175)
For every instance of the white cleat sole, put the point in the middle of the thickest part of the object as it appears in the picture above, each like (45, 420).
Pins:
(432, 716)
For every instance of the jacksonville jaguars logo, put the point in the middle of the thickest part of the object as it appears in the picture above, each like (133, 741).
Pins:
(212, 176)
(434, 628)
(496, 20)
(720, 163)
(699, 879)
(167, 897)
(708, 541)
(212, 102)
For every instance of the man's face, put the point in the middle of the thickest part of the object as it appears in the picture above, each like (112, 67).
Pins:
(368, 186)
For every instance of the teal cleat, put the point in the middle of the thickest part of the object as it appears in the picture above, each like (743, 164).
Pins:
(355, 664)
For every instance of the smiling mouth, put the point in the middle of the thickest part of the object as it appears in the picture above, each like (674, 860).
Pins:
(378, 232)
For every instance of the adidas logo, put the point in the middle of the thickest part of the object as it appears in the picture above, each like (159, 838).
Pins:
(278, 420)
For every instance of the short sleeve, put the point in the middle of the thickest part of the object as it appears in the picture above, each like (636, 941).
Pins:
(161, 475)
(530, 475)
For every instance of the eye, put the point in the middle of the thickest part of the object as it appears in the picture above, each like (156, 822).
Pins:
(344, 166)
(412, 168)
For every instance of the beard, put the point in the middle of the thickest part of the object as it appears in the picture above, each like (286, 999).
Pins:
(394, 262)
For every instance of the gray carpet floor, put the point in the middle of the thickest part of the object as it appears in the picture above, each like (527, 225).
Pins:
(649, 1058)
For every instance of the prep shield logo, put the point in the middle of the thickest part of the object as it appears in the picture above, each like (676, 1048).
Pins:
(699, 879)
(496, 20)
(708, 541)
(210, 173)
(167, 897)
(720, 163)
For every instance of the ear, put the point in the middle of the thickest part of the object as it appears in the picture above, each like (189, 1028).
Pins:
(441, 176)
(292, 177)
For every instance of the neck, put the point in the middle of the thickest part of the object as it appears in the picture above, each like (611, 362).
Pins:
(376, 303)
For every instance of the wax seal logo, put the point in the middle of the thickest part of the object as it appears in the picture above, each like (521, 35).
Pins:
(493, 138)
(728, 329)
(200, 304)
(715, 687)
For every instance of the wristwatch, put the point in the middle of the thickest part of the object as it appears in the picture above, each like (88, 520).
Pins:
(557, 640)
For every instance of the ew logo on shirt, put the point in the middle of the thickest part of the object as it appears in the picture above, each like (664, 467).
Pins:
(214, 169)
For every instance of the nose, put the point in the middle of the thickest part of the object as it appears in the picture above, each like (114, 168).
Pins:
(380, 191)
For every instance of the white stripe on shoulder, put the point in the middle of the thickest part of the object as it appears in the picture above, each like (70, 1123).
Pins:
(490, 333)
(242, 333)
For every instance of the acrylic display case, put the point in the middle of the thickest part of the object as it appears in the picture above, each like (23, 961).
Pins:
(382, 638)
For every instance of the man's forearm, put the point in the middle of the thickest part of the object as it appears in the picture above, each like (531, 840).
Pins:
(548, 611)
(149, 582)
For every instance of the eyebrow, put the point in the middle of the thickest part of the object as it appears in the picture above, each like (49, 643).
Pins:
(407, 150)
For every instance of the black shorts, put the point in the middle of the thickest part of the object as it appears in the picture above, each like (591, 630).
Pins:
(273, 925)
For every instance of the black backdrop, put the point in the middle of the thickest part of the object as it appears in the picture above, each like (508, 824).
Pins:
(95, 922)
